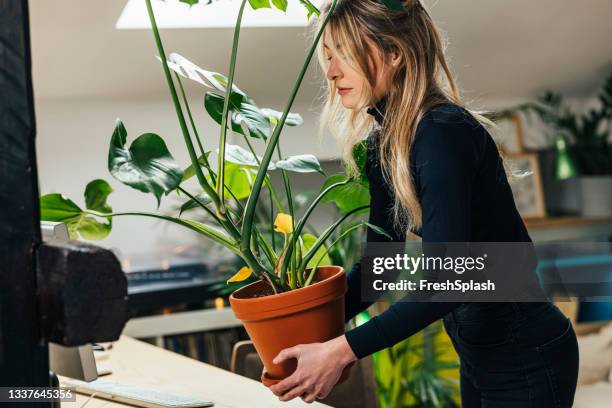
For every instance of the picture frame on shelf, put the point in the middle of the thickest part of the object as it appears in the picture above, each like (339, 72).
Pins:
(527, 186)
(508, 134)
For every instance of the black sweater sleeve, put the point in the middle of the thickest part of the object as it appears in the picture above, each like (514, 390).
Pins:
(444, 161)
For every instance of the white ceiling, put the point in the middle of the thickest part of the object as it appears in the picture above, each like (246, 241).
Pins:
(499, 50)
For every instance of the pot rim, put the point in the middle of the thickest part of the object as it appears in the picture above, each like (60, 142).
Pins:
(295, 292)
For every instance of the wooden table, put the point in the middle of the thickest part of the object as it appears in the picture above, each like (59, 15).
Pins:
(142, 364)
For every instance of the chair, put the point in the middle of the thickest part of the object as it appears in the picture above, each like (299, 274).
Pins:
(359, 391)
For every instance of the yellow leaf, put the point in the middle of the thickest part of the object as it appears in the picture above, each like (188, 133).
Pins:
(243, 274)
(283, 223)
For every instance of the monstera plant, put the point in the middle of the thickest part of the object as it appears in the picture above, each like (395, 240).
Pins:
(282, 257)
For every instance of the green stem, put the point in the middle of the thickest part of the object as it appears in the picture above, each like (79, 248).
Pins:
(267, 180)
(335, 242)
(311, 208)
(179, 113)
(203, 229)
(228, 95)
(247, 224)
(289, 195)
(233, 230)
(313, 250)
(272, 221)
(201, 204)
(195, 129)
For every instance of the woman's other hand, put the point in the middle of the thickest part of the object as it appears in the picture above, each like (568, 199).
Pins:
(319, 366)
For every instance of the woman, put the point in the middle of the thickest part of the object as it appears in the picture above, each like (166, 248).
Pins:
(433, 170)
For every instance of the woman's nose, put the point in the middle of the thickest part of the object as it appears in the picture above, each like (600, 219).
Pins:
(333, 72)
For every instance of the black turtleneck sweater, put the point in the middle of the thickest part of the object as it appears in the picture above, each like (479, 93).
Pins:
(465, 197)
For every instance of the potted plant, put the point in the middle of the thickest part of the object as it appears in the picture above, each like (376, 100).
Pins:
(296, 297)
(582, 141)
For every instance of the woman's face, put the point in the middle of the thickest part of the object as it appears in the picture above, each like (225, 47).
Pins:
(349, 82)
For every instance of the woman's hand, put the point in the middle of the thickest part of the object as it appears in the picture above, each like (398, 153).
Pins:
(319, 366)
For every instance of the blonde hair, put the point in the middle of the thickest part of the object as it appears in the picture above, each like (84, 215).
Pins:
(421, 80)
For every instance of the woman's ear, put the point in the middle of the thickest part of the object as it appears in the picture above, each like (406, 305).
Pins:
(394, 59)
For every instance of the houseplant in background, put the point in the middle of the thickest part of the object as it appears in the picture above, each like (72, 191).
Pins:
(421, 371)
(296, 298)
(582, 142)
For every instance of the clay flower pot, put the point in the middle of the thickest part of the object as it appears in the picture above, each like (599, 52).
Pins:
(312, 314)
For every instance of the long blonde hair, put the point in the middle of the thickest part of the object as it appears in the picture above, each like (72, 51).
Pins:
(421, 80)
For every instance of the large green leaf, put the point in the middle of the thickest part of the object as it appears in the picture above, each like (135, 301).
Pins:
(240, 170)
(189, 172)
(303, 163)
(246, 111)
(346, 197)
(360, 156)
(239, 179)
(210, 79)
(202, 199)
(146, 166)
(311, 8)
(293, 119)
(238, 155)
(96, 194)
(57, 208)
(280, 4)
(320, 255)
(256, 4)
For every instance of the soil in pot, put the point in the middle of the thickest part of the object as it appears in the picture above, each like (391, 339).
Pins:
(307, 315)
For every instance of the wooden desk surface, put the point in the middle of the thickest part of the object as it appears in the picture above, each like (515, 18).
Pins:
(142, 364)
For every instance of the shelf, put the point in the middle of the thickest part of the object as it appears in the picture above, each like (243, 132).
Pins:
(181, 323)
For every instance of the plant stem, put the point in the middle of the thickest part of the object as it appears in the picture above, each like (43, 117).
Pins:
(272, 221)
(312, 251)
(201, 204)
(311, 208)
(247, 224)
(267, 180)
(179, 113)
(226, 101)
(335, 242)
(198, 227)
(195, 129)
(289, 195)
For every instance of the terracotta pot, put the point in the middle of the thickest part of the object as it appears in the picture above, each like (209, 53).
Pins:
(307, 315)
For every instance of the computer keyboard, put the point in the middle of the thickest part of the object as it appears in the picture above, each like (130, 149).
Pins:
(134, 395)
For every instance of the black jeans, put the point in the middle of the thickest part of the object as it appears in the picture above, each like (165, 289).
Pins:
(514, 355)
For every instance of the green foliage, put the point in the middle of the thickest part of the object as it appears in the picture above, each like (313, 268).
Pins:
(240, 175)
(311, 8)
(279, 4)
(196, 202)
(348, 196)
(303, 163)
(320, 256)
(146, 165)
(57, 208)
(189, 171)
(419, 372)
(588, 134)
(257, 123)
